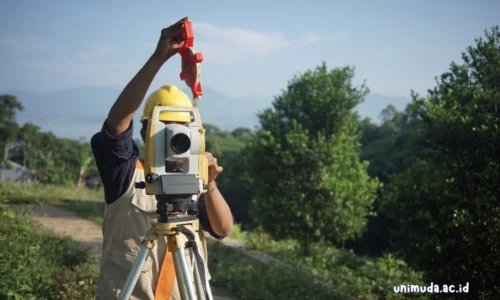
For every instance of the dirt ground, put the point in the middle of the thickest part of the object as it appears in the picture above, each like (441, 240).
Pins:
(87, 233)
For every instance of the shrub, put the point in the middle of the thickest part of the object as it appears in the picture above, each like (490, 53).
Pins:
(37, 265)
(249, 279)
(363, 277)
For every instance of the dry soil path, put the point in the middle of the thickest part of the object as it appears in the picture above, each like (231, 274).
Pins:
(87, 233)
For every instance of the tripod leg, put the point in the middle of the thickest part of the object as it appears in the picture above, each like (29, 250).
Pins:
(147, 244)
(198, 265)
(180, 281)
(197, 281)
(180, 256)
(133, 276)
(209, 291)
(198, 262)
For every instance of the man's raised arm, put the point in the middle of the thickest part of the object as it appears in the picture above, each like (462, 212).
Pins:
(123, 110)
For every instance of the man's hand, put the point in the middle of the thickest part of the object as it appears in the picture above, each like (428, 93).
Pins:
(171, 39)
(213, 168)
(123, 110)
(219, 213)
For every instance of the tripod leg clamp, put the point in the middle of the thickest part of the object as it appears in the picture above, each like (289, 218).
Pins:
(151, 238)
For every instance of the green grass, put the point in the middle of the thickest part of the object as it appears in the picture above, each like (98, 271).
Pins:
(36, 194)
(360, 276)
(84, 202)
(91, 210)
(34, 264)
(243, 276)
(248, 279)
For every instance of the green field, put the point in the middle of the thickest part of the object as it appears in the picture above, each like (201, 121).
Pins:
(328, 274)
(36, 265)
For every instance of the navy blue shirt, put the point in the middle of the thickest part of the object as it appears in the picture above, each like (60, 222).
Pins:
(116, 157)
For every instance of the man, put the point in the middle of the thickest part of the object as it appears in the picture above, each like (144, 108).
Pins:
(129, 210)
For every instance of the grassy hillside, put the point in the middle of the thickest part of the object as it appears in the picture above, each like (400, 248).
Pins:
(328, 274)
(34, 264)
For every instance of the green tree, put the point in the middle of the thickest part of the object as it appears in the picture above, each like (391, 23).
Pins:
(446, 204)
(51, 159)
(9, 106)
(390, 148)
(28, 134)
(46, 169)
(228, 148)
(85, 159)
(304, 164)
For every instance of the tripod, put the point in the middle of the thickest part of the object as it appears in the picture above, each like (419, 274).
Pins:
(181, 232)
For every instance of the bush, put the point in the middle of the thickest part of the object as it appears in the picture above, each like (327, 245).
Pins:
(249, 279)
(37, 265)
(363, 277)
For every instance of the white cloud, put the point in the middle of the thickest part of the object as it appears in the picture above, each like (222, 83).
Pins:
(85, 73)
(308, 38)
(83, 67)
(226, 45)
(95, 53)
(25, 42)
(219, 45)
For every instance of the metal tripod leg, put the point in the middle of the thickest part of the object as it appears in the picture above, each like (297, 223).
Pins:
(189, 277)
(197, 280)
(134, 274)
(181, 281)
(183, 272)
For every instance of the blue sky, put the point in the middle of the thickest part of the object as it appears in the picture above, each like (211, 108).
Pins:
(250, 48)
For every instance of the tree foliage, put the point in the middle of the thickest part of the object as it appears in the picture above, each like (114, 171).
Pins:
(304, 165)
(9, 128)
(50, 159)
(446, 204)
(228, 148)
(390, 148)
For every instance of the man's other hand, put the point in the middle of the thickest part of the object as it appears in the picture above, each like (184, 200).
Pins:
(213, 168)
(171, 39)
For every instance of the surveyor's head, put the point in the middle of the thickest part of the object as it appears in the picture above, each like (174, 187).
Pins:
(170, 96)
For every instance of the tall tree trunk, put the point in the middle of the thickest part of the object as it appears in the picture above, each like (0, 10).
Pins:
(25, 153)
(260, 233)
(6, 150)
(5, 157)
(80, 177)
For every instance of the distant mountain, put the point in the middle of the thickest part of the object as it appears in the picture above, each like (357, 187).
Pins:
(79, 112)
(72, 113)
(374, 104)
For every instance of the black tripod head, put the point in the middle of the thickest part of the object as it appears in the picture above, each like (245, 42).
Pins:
(176, 208)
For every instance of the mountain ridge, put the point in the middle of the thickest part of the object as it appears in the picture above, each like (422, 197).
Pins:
(80, 111)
